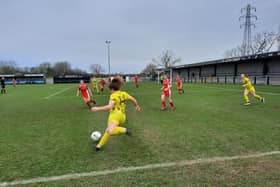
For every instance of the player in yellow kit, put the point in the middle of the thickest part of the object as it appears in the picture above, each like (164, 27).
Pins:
(249, 88)
(95, 85)
(117, 107)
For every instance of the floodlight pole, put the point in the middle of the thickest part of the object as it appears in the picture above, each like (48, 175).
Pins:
(108, 42)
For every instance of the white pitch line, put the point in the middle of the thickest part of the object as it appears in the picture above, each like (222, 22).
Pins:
(229, 89)
(135, 168)
(56, 93)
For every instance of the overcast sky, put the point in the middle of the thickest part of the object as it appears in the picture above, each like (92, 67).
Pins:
(36, 31)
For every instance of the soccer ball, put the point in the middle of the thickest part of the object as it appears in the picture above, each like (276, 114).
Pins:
(95, 136)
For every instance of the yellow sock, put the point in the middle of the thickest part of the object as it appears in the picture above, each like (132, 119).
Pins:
(246, 98)
(103, 140)
(258, 97)
(118, 130)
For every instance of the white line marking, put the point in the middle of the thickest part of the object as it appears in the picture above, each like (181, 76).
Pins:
(56, 93)
(230, 89)
(107, 95)
(135, 168)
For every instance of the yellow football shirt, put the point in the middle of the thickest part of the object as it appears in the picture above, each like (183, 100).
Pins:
(119, 98)
(247, 83)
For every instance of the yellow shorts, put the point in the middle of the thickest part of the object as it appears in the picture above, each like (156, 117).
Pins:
(251, 89)
(116, 117)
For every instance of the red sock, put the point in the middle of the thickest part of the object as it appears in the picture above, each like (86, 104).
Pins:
(163, 103)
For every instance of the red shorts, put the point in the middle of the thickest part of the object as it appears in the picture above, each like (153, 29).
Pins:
(179, 86)
(85, 97)
(167, 93)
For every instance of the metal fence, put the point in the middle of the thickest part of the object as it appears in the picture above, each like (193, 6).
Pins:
(262, 80)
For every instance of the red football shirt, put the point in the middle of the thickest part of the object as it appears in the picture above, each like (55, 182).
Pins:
(179, 81)
(166, 85)
(102, 83)
(83, 88)
(136, 79)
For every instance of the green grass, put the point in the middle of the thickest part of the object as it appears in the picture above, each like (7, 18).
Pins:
(46, 137)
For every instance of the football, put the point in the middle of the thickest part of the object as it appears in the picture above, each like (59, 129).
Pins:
(95, 136)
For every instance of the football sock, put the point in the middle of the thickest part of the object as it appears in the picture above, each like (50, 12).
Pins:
(258, 97)
(103, 140)
(246, 98)
(171, 104)
(163, 104)
(118, 130)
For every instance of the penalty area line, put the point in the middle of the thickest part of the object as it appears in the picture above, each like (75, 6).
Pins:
(136, 168)
(56, 93)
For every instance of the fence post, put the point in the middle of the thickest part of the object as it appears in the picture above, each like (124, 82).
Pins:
(255, 80)
(267, 80)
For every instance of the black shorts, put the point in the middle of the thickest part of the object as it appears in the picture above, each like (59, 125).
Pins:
(2, 86)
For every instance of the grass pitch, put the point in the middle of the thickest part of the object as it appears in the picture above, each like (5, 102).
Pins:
(42, 137)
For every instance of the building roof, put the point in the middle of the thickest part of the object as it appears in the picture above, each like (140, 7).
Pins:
(234, 59)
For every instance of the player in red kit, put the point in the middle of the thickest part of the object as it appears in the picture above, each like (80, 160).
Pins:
(102, 85)
(136, 81)
(180, 84)
(166, 93)
(14, 82)
(85, 93)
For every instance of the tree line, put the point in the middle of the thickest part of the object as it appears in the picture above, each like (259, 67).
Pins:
(47, 68)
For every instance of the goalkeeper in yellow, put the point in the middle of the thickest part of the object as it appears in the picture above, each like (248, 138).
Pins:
(249, 88)
(117, 107)
(94, 85)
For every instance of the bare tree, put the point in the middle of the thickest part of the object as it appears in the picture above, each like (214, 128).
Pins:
(262, 42)
(45, 68)
(166, 60)
(8, 67)
(96, 69)
(234, 52)
(150, 69)
(78, 71)
(62, 68)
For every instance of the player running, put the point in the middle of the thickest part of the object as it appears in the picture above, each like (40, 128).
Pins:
(136, 81)
(95, 85)
(249, 88)
(102, 84)
(166, 93)
(3, 86)
(117, 108)
(85, 94)
(179, 84)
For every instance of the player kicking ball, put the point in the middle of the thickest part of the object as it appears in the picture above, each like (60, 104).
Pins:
(166, 93)
(249, 88)
(117, 107)
(85, 94)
